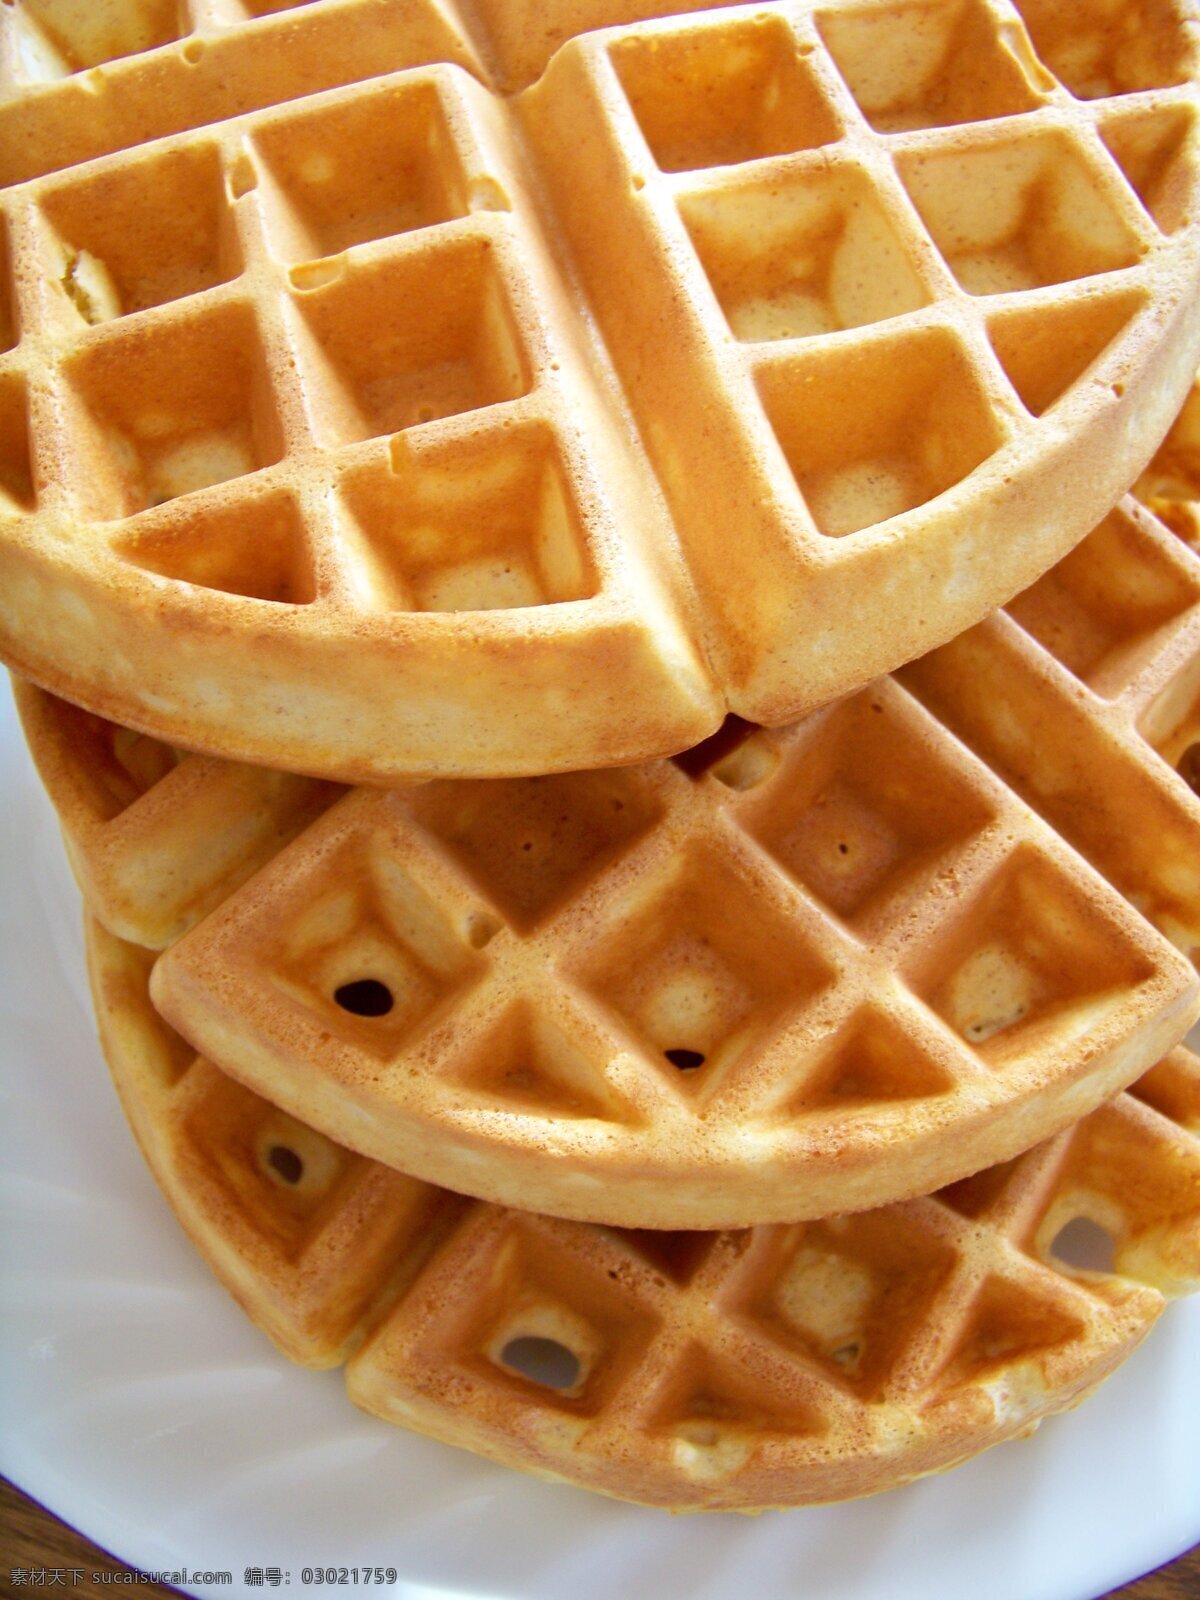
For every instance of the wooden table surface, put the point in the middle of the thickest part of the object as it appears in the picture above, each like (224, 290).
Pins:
(31, 1538)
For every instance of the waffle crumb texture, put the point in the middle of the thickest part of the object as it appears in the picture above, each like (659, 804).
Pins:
(394, 389)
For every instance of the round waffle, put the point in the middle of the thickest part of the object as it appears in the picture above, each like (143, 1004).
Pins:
(775, 1366)
(785, 975)
(460, 424)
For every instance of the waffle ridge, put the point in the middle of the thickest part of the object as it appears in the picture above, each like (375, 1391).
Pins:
(775, 1366)
(501, 528)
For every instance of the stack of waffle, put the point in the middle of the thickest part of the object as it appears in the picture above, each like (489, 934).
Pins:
(463, 473)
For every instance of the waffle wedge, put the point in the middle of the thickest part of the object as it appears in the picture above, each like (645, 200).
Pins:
(775, 1366)
(462, 424)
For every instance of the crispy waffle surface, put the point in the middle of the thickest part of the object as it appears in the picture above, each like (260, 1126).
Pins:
(768, 1367)
(411, 445)
(785, 975)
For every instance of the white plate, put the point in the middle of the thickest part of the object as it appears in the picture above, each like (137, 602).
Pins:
(143, 1408)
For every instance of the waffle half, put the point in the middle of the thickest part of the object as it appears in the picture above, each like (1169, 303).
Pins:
(461, 424)
(775, 1366)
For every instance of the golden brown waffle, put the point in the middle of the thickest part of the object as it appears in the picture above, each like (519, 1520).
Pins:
(774, 989)
(415, 443)
(776, 1366)
(843, 966)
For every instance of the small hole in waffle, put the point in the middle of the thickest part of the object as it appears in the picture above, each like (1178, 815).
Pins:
(703, 757)
(530, 843)
(847, 1293)
(365, 997)
(285, 1163)
(1024, 962)
(481, 930)
(1084, 1244)
(992, 993)
(685, 1060)
(543, 1361)
(374, 947)
(851, 839)
(705, 964)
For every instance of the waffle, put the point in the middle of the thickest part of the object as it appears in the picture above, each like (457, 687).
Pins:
(786, 975)
(908, 295)
(775, 1366)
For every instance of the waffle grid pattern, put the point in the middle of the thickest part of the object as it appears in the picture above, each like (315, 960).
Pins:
(302, 489)
(1104, 645)
(687, 983)
(582, 984)
(227, 406)
(850, 234)
(779, 1365)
